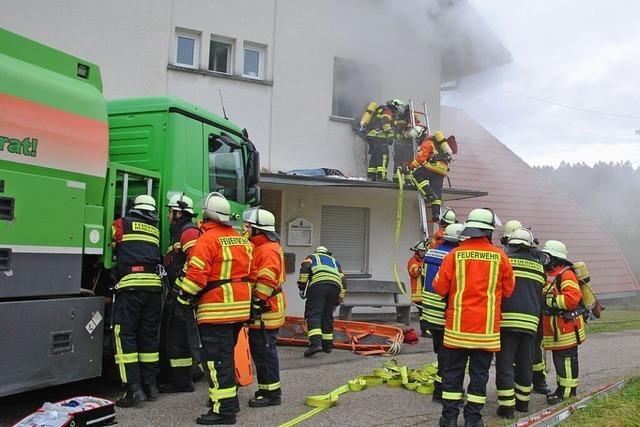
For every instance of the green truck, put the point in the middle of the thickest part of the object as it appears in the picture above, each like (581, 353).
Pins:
(70, 163)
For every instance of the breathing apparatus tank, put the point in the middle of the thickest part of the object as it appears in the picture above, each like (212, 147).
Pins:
(442, 143)
(367, 115)
(588, 296)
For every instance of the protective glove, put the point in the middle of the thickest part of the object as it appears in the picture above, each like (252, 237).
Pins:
(187, 301)
(257, 308)
(550, 302)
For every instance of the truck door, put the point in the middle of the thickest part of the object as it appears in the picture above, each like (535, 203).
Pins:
(225, 164)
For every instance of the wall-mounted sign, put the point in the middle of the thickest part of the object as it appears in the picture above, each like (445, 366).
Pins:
(299, 232)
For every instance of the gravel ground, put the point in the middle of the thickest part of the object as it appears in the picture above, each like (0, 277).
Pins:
(604, 358)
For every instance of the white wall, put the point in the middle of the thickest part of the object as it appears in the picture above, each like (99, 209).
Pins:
(307, 203)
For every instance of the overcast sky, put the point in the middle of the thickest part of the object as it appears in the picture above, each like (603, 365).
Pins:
(583, 53)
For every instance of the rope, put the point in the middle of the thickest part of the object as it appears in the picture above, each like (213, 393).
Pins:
(420, 380)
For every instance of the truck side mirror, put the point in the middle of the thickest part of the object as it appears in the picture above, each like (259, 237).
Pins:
(253, 168)
(254, 195)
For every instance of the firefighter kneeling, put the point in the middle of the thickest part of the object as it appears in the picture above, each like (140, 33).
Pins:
(216, 280)
(268, 304)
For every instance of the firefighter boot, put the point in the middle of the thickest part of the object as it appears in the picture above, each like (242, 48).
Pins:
(555, 397)
(540, 383)
(478, 423)
(133, 396)
(315, 346)
(505, 411)
(151, 391)
(176, 388)
(263, 400)
(327, 346)
(447, 422)
(522, 406)
(213, 419)
(436, 397)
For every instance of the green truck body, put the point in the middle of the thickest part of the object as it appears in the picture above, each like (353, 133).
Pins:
(70, 163)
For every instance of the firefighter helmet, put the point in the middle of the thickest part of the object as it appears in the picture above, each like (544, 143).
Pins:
(452, 232)
(261, 219)
(521, 236)
(395, 103)
(144, 202)
(511, 226)
(480, 222)
(181, 203)
(419, 246)
(556, 249)
(448, 217)
(414, 132)
(322, 250)
(216, 208)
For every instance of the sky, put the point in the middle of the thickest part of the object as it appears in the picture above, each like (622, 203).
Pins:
(580, 53)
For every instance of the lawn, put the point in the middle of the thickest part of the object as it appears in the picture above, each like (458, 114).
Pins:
(615, 319)
(616, 409)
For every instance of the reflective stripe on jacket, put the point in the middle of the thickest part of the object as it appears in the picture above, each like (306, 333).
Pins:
(323, 268)
(563, 291)
(433, 305)
(521, 311)
(424, 156)
(414, 267)
(266, 278)
(475, 277)
(380, 125)
(220, 254)
(137, 252)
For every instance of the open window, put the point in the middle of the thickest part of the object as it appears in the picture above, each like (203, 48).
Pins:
(226, 168)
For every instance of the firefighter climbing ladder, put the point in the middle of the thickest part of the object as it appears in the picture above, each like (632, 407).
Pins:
(422, 205)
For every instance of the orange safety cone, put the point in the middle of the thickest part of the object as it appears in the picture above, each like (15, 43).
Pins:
(242, 358)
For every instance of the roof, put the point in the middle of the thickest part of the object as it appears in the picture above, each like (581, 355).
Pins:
(278, 180)
(517, 191)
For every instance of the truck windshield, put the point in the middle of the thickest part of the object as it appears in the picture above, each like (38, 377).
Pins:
(226, 171)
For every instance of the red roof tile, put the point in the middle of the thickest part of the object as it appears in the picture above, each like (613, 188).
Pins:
(517, 191)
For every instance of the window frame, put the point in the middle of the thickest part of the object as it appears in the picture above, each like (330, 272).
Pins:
(196, 47)
(261, 50)
(230, 55)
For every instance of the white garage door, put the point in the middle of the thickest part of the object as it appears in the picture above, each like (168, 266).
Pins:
(345, 232)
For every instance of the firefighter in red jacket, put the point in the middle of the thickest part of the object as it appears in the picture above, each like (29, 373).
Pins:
(562, 322)
(216, 280)
(431, 165)
(137, 301)
(176, 354)
(416, 274)
(447, 217)
(268, 304)
(474, 277)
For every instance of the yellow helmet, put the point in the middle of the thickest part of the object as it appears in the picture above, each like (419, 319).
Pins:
(556, 249)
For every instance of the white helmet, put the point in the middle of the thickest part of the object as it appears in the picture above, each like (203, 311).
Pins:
(556, 249)
(144, 202)
(448, 216)
(511, 226)
(181, 203)
(452, 233)
(521, 236)
(261, 219)
(217, 208)
(414, 132)
(322, 250)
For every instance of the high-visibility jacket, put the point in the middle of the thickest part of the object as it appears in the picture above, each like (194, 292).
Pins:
(562, 294)
(433, 305)
(266, 279)
(521, 311)
(428, 157)
(221, 258)
(380, 125)
(137, 248)
(184, 235)
(436, 238)
(323, 268)
(414, 267)
(475, 277)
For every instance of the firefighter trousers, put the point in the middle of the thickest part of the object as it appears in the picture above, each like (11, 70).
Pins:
(264, 353)
(454, 361)
(175, 352)
(402, 153)
(429, 184)
(567, 369)
(318, 313)
(218, 344)
(378, 158)
(437, 336)
(514, 368)
(136, 319)
(539, 368)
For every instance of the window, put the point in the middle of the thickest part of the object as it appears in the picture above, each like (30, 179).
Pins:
(345, 231)
(354, 86)
(220, 56)
(187, 49)
(253, 60)
(226, 172)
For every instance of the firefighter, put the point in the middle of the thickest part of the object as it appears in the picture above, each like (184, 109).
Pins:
(268, 304)
(474, 277)
(137, 301)
(322, 283)
(563, 325)
(402, 145)
(509, 227)
(379, 136)
(431, 165)
(446, 218)
(176, 371)
(415, 269)
(216, 281)
(433, 305)
(519, 325)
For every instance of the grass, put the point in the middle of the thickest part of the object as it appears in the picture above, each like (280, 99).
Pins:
(617, 409)
(615, 319)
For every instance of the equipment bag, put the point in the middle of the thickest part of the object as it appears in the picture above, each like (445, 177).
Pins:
(80, 411)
